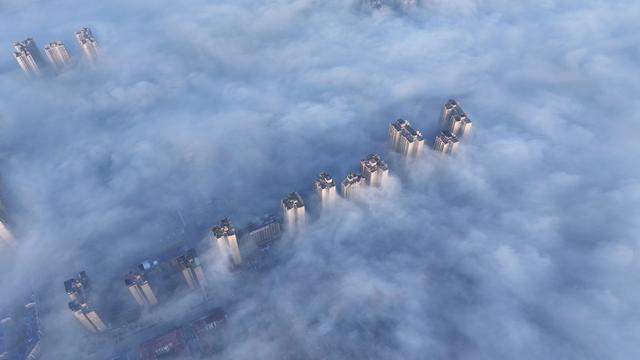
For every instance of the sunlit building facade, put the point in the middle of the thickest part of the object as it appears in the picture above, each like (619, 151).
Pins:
(325, 187)
(88, 44)
(293, 212)
(405, 139)
(78, 291)
(28, 57)
(58, 56)
(140, 289)
(454, 120)
(446, 143)
(374, 170)
(191, 269)
(351, 185)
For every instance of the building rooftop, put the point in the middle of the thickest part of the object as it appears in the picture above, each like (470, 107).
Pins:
(189, 260)
(352, 178)
(224, 229)
(373, 163)
(85, 35)
(324, 181)
(447, 137)
(294, 200)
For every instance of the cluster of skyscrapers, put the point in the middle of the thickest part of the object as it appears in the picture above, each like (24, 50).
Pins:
(33, 64)
(232, 244)
(455, 125)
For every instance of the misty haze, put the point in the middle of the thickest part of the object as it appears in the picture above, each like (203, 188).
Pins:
(308, 179)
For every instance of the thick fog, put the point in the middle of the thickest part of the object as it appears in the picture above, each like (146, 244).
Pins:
(523, 246)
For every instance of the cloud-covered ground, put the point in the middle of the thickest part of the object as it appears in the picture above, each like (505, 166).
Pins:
(524, 246)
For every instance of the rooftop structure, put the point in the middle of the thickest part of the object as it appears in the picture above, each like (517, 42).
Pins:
(454, 119)
(58, 56)
(293, 210)
(326, 189)
(140, 289)
(191, 269)
(28, 57)
(351, 185)
(88, 44)
(224, 235)
(374, 170)
(404, 139)
(446, 143)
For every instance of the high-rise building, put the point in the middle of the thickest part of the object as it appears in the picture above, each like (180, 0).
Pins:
(405, 139)
(191, 269)
(446, 143)
(78, 290)
(374, 170)
(87, 316)
(351, 185)
(225, 238)
(265, 232)
(293, 211)
(88, 44)
(6, 238)
(454, 119)
(58, 56)
(140, 289)
(326, 189)
(28, 57)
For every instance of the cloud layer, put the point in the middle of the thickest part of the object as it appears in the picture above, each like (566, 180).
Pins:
(523, 246)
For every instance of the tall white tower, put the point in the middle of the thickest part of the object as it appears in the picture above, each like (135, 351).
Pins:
(405, 139)
(293, 211)
(28, 57)
(88, 44)
(351, 185)
(446, 143)
(140, 289)
(454, 120)
(58, 56)
(374, 170)
(326, 189)
(224, 235)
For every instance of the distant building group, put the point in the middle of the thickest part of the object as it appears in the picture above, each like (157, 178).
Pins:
(33, 64)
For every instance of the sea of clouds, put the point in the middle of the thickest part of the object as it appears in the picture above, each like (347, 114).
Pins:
(524, 246)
